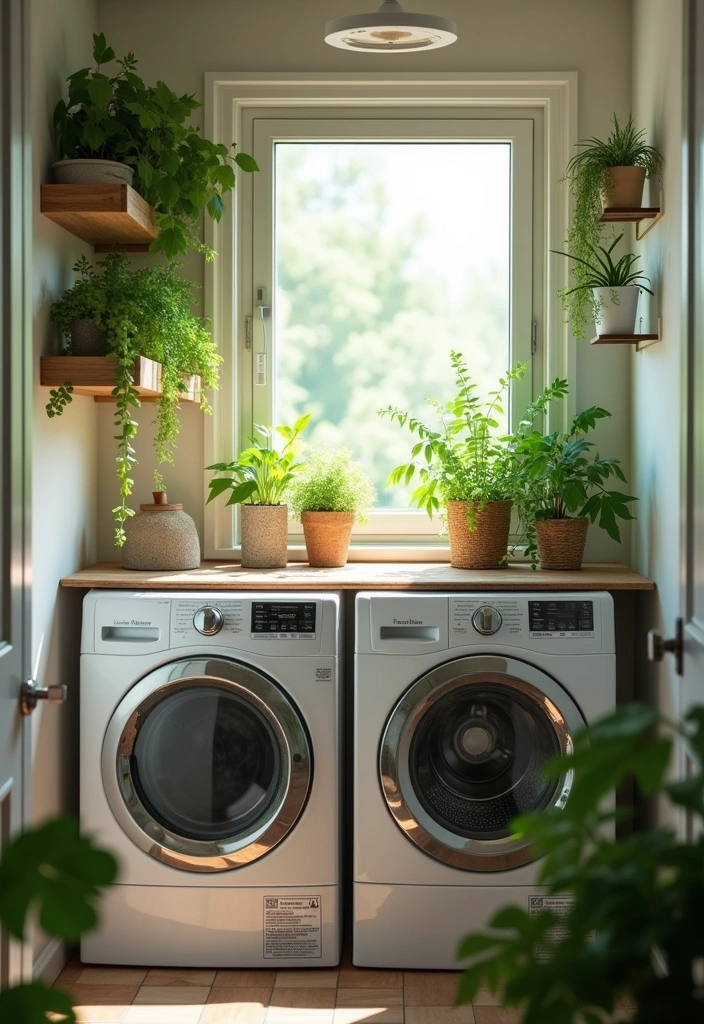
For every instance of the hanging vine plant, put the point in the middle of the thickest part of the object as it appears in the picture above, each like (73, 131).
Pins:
(142, 313)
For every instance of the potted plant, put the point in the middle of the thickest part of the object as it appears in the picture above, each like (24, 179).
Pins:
(138, 313)
(595, 177)
(140, 130)
(257, 481)
(563, 488)
(629, 946)
(614, 287)
(467, 466)
(331, 492)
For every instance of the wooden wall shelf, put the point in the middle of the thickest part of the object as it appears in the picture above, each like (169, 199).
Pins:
(641, 341)
(635, 215)
(95, 375)
(107, 216)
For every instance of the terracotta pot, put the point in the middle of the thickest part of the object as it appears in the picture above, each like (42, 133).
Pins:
(561, 542)
(264, 536)
(624, 188)
(92, 172)
(484, 547)
(87, 339)
(327, 537)
(617, 317)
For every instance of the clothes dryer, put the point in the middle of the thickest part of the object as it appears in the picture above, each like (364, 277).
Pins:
(210, 767)
(460, 699)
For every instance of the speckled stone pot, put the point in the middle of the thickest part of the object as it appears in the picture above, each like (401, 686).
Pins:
(161, 537)
(264, 536)
(92, 172)
(87, 339)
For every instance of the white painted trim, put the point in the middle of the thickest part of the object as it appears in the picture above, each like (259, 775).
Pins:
(51, 961)
(228, 95)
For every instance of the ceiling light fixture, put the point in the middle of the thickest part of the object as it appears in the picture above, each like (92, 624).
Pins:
(390, 30)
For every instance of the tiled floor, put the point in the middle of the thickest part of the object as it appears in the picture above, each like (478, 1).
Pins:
(345, 995)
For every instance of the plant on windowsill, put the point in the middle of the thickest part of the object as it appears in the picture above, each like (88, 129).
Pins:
(330, 493)
(138, 313)
(141, 127)
(595, 176)
(564, 487)
(631, 940)
(614, 287)
(258, 481)
(468, 466)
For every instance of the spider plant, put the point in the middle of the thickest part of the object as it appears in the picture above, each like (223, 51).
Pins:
(601, 272)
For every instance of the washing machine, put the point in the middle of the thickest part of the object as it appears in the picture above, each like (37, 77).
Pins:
(460, 699)
(210, 766)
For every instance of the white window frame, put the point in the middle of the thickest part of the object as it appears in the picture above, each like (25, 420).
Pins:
(232, 100)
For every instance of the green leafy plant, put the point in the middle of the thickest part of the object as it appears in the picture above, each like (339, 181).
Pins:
(143, 313)
(60, 874)
(261, 474)
(587, 178)
(561, 477)
(119, 117)
(602, 272)
(632, 933)
(469, 457)
(330, 480)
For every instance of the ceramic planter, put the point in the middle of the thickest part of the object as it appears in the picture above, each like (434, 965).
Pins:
(617, 309)
(624, 188)
(92, 172)
(87, 339)
(561, 543)
(484, 547)
(264, 536)
(327, 536)
(161, 537)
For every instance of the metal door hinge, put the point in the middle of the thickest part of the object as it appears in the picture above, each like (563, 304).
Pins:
(248, 332)
(534, 337)
(658, 647)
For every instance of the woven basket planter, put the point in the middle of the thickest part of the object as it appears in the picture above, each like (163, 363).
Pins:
(327, 536)
(561, 543)
(264, 536)
(486, 546)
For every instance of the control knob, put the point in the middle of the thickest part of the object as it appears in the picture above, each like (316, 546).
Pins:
(208, 621)
(487, 620)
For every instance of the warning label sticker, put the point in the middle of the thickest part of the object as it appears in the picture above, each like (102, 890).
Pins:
(292, 927)
(560, 906)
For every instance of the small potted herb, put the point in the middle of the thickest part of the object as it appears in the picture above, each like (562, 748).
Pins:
(467, 466)
(257, 481)
(131, 128)
(614, 287)
(564, 488)
(596, 178)
(137, 313)
(331, 492)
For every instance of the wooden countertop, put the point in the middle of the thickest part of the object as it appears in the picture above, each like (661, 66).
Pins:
(361, 576)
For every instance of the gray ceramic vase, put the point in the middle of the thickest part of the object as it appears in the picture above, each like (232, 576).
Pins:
(161, 537)
(264, 536)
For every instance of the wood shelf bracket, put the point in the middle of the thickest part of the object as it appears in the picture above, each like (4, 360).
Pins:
(651, 221)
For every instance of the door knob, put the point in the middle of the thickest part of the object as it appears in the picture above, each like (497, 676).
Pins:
(658, 647)
(30, 694)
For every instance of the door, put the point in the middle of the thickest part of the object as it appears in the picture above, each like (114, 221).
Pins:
(462, 754)
(15, 382)
(206, 764)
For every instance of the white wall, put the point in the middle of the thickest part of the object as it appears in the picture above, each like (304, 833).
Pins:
(179, 40)
(657, 382)
(64, 451)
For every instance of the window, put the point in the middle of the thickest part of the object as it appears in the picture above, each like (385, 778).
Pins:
(371, 243)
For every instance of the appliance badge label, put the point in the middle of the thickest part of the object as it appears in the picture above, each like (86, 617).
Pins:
(292, 928)
(560, 906)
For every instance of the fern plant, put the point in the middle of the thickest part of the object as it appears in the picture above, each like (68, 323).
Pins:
(588, 180)
(332, 481)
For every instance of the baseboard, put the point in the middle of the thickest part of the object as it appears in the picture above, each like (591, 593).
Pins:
(51, 961)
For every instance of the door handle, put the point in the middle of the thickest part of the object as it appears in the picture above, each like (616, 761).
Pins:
(31, 694)
(658, 647)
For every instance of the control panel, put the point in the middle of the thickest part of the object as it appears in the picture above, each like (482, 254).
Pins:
(283, 620)
(561, 618)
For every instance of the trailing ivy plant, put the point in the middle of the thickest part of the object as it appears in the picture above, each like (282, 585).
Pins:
(632, 933)
(468, 456)
(143, 313)
(59, 874)
(561, 477)
(119, 117)
(261, 474)
(588, 180)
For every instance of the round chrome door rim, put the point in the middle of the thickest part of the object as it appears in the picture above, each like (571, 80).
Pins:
(154, 838)
(405, 807)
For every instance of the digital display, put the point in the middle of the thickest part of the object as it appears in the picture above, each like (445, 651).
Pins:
(269, 617)
(561, 616)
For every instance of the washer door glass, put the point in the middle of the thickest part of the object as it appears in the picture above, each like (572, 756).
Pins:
(206, 764)
(463, 754)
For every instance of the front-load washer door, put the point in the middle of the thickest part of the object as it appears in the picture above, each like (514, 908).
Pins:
(206, 764)
(462, 754)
